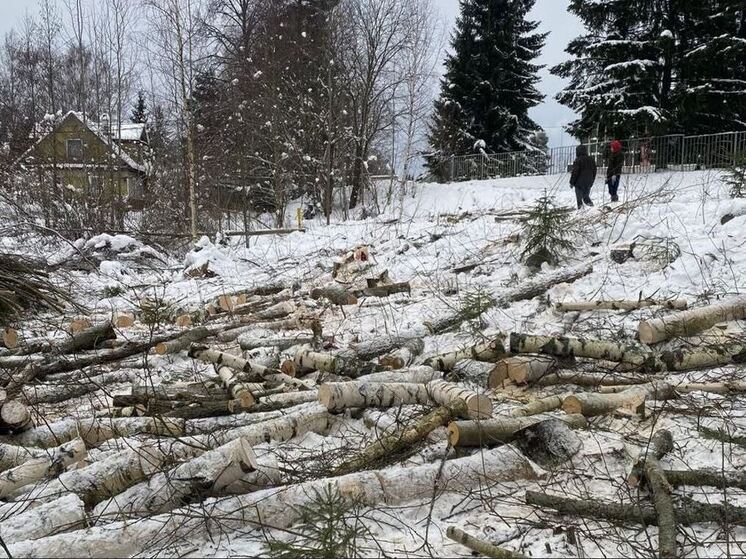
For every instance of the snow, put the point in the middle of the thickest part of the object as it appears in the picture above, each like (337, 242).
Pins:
(420, 235)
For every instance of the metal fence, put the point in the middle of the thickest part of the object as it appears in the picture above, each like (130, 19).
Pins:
(641, 155)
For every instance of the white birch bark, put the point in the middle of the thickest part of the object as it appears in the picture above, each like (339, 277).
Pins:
(37, 469)
(279, 506)
(338, 396)
(624, 305)
(184, 341)
(502, 429)
(592, 404)
(249, 342)
(523, 369)
(487, 351)
(12, 455)
(58, 516)
(563, 346)
(480, 373)
(193, 480)
(422, 374)
(478, 406)
(235, 387)
(688, 323)
(404, 356)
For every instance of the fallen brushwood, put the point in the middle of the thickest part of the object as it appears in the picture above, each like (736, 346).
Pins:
(191, 481)
(490, 351)
(404, 356)
(572, 306)
(24, 283)
(39, 468)
(691, 322)
(480, 547)
(283, 504)
(402, 439)
(498, 430)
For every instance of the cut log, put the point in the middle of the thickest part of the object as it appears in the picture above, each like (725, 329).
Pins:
(501, 430)
(404, 356)
(661, 443)
(282, 504)
(338, 396)
(602, 380)
(15, 417)
(691, 322)
(563, 346)
(480, 373)
(523, 369)
(236, 388)
(712, 478)
(124, 320)
(279, 310)
(196, 410)
(548, 443)
(422, 374)
(59, 516)
(284, 400)
(382, 290)
(40, 468)
(543, 405)
(482, 548)
(593, 404)
(478, 406)
(192, 481)
(65, 390)
(78, 325)
(12, 456)
(183, 320)
(662, 500)
(188, 392)
(94, 431)
(183, 341)
(9, 338)
(572, 306)
(396, 442)
(306, 359)
(490, 351)
(249, 342)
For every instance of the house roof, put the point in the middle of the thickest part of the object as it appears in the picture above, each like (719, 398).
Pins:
(128, 132)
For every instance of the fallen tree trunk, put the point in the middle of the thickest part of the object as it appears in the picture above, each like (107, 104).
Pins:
(12, 456)
(59, 516)
(195, 410)
(501, 429)
(593, 404)
(487, 351)
(404, 356)
(422, 374)
(94, 431)
(248, 343)
(236, 388)
(279, 507)
(478, 406)
(563, 346)
(662, 500)
(89, 338)
(630, 305)
(192, 481)
(543, 405)
(691, 322)
(592, 379)
(306, 359)
(335, 294)
(402, 439)
(37, 469)
(183, 341)
(338, 396)
(273, 312)
(698, 478)
(661, 443)
(59, 392)
(482, 548)
(383, 290)
(284, 400)
(524, 369)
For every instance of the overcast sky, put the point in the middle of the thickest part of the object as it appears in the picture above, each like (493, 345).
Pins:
(551, 13)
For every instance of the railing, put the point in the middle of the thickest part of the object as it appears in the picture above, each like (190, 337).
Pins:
(641, 155)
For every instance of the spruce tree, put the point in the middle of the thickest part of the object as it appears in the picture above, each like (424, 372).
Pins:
(140, 110)
(490, 82)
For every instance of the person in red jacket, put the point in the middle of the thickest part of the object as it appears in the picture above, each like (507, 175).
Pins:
(614, 169)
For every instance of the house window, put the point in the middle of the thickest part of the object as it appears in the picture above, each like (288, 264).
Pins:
(135, 188)
(74, 150)
(94, 185)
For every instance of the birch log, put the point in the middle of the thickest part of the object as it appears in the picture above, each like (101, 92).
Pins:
(94, 431)
(236, 388)
(281, 505)
(335, 294)
(404, 356)
(89, 338)
(481, 547)
(192, 481)
(480, 373)
(563, 346)
(15, 416)
(601, 380)
(40, 468)
(478, 406)
(542, 405)
(422, 374)
(306, 359)
(524, 369)
(58, 516)
(629, 305)
(384, 290)
(12, 456)
(284, 400)
(279, 310)
(249, 342)
(338, 396)
(9, 338)
(183, 341)
(691, 322)
(502, 429)
(663, 503)
(592, 404)
(487, 351)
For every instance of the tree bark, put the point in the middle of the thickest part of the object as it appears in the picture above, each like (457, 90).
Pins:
(422, 374)
(720, 480)
(581, 347)
(480, 373)
(236, 388)
(482, 548)
(281, 505)
(592, 379)
(338, 396)
(630, 305)
(89, 338)
(306, 359)
(487, 351)
(478, 406)
(502, 429)
(191, 481)
(15, 417)
(284, 400)
(59, 516)
(248, 342)
(12, 456)
(183, 341)
(40, 468)
(52, 393)
(663, 506)
(402, 439)
(661, 443)
(691, 322)
(543, 405)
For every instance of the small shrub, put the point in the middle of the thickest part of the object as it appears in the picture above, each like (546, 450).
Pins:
(548, 232)
(113, 291)
(736, 177)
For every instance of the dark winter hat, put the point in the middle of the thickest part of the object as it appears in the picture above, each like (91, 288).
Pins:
(581, 150)
(616, 146)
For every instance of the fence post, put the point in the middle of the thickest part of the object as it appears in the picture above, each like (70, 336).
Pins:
(452, 176)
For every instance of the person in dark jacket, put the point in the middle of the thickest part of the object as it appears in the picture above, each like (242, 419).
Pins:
(614, 169)
(583, 176)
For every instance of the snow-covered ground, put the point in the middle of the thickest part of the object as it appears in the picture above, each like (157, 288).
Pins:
(421, 238)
